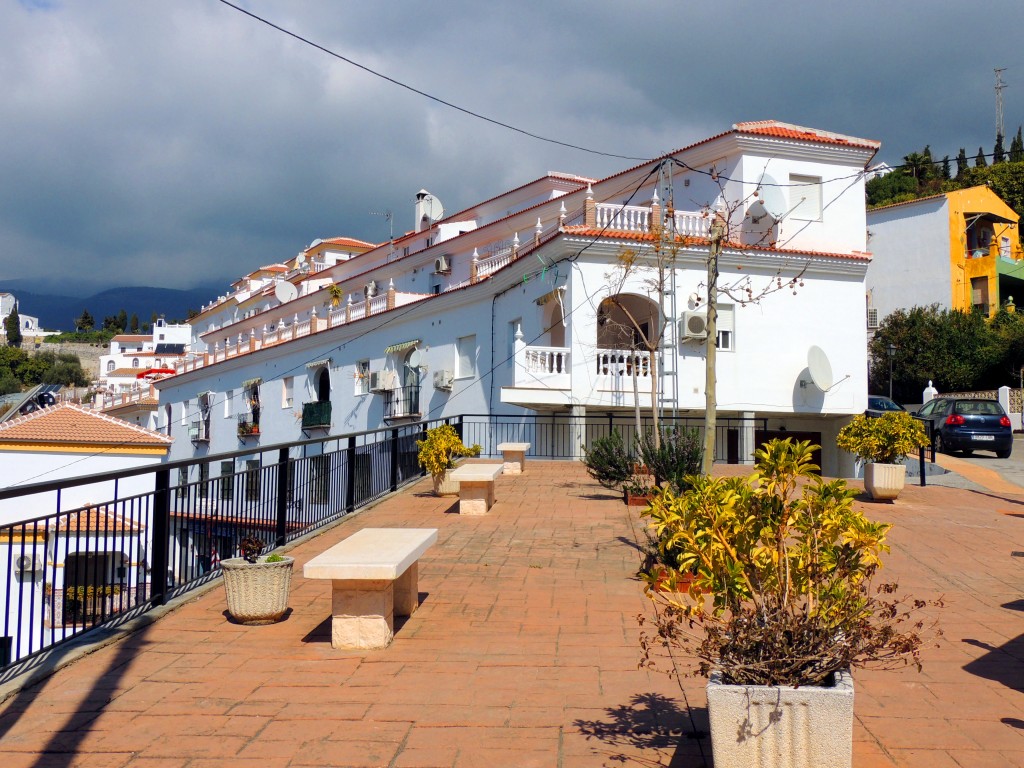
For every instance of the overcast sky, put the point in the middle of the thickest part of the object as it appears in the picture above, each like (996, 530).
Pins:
(181, 142)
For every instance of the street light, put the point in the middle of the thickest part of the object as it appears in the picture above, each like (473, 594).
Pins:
(891, 349)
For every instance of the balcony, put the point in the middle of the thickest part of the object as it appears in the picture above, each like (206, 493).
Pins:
(402, 403)
(248, 425)
(316, 415)
(199, 432)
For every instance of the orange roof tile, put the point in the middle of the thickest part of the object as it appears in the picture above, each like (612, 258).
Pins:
(74, 425)
(350, 241)
(690, 240)
(125, 372)
(131, 337)
(97, 520)
(789, 131)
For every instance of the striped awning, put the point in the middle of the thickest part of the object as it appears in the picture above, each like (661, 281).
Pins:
(320, 363)
(252, 383)
(401, 347)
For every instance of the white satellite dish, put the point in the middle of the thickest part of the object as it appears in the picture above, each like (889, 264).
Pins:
(820, 368)
(414, 359)
(760, 224)
(285, 292)
(431, 207)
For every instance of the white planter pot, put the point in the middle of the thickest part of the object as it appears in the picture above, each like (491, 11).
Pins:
(762, 726)
(446, 486)
(884, 481)
(257, 593)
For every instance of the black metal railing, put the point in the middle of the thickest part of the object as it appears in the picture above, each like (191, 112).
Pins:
(316, 415)
(158, 531)
(105, 547)
(402, 403)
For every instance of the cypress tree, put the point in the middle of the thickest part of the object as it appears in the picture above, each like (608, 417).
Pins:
(998, 155)
(945, 168)
(1017, 148)
(961, 163)
(979, 161)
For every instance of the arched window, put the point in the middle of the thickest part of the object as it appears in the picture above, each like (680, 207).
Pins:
(110, 365)
(135, 362)
(323, 385)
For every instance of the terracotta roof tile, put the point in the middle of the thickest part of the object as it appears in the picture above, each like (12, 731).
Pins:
(75, 425)
(788, 131)
(690, 240)
(131, 337)
(97, 520)
(125, 372)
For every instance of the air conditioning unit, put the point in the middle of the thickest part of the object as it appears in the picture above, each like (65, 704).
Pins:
(442, 266)
(370, 290)
(444, 380)
(694, 325)
(872, 319)
(29, 564)
(383, 381)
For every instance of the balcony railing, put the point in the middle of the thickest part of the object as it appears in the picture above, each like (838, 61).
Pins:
(316, 415)
(199, 432)
(248, 425)
(402, 403)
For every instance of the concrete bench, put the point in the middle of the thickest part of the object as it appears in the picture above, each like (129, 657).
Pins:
(514, 455)
(374, 576)
(476, 487)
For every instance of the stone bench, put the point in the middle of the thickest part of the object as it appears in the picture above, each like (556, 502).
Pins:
(374, 576)
(476, 486)
(514, 455)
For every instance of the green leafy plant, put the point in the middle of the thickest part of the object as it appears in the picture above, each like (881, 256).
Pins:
(437, 453)
(885, 439)
(672, 459)
(274, 558)
(782, 568)
(608, 460)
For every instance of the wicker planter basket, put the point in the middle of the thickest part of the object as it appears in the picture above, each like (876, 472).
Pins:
(257, 593)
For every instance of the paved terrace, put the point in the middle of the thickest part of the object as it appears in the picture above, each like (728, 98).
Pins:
(524, 653)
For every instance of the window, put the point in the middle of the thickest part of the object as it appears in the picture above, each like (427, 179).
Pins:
(510, 346)
(435, 284)
(184, 414)
(110, 365)
(204, 480)
(252, 480)
(252, 399)
(467, 357)
(227, 402)
(725, 327)
(227, 480)
(135, 362)
(287, 391)
(363, 377)
(182, 488)
(979, 293)
(805, 197)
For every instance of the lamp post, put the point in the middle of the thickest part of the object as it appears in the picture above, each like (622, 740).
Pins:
(891, 349)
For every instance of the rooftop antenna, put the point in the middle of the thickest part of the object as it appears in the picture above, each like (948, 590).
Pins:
(387, 214)
(999, 101)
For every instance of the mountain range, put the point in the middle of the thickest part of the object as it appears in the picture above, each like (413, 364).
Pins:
(58, 312)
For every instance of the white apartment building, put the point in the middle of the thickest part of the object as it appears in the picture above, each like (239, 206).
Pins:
(135, 359)
(517, 304)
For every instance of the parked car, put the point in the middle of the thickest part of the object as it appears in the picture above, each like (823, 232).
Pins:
(959, 424)
(877, 405)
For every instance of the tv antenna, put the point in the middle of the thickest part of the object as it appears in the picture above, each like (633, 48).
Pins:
(1000, 85)
(387, 214)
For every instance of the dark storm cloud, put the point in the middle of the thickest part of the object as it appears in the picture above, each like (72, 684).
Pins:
(179, 143)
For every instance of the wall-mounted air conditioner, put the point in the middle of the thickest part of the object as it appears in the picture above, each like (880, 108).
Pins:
(383, 381)
(694, 325)
(29, 564)
(444, 380)
(442, 265)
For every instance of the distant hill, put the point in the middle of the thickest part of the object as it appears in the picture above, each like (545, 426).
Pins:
(58, 313)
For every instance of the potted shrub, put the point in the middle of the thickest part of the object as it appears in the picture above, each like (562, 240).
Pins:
(437, 454)
(609, 461)
(781, 606)
(257, 586)
(882, 443)
(677, 455)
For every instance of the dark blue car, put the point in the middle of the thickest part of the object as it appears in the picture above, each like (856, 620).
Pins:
(959, 424)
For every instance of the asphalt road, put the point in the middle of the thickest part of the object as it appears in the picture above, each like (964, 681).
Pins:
(1011, 469)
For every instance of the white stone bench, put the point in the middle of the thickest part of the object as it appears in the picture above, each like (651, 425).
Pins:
(514, 455)
(476, 487)
(375, 576)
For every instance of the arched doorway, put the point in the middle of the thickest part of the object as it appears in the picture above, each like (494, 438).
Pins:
(411, 381)
(323, 385)
(554, 324)
(627, 324)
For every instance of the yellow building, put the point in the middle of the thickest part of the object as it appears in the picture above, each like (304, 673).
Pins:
(960, 250)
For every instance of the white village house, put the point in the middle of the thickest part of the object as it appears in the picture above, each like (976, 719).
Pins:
(502, 308)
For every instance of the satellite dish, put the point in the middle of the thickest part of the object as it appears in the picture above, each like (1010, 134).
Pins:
(414, 359)
(820, 368)
(300, 259)
(285, 291)
(431, 207)
(761, 222)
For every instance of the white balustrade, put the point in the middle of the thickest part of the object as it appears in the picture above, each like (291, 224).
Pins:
(623, 218)
(618, 366)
